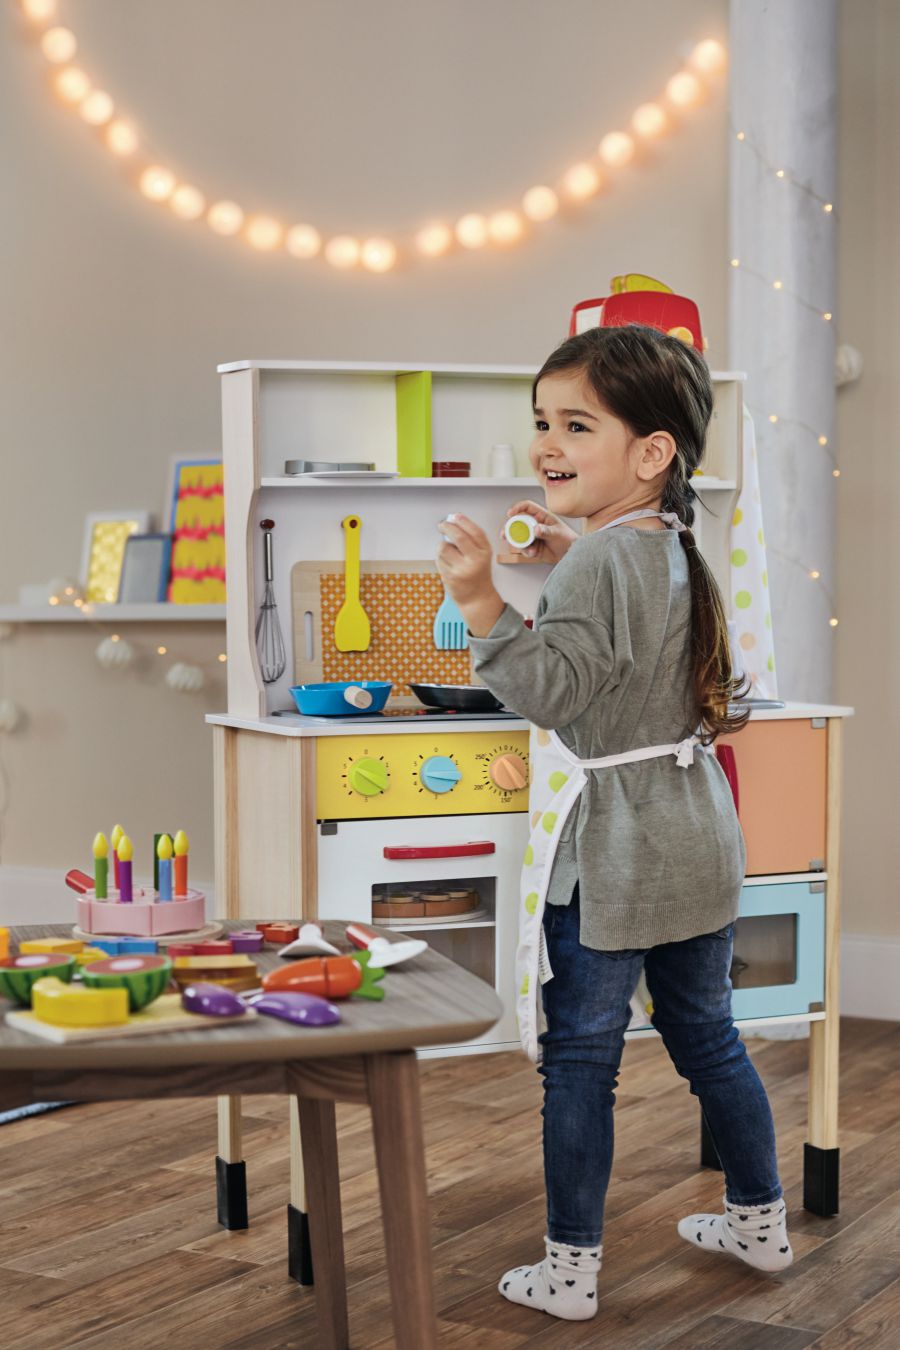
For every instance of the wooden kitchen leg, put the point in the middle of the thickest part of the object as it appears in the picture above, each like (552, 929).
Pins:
(821, 1154)
(393, 1086)
(231, 1170)
(320, 1167)
(300, 1267)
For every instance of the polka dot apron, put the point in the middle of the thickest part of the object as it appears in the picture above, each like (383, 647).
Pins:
(557, 779)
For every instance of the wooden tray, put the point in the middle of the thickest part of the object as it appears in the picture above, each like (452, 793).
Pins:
(401, 600)
(165, 1014)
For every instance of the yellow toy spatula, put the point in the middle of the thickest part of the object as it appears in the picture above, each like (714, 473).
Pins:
(352, 632)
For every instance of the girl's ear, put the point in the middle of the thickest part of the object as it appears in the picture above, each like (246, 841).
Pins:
(658, 452)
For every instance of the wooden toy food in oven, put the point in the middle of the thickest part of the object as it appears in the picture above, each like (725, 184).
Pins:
(328, 976)
(73, 1005)
(399, 907)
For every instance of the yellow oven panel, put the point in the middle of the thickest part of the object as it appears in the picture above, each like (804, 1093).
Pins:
(363, 777)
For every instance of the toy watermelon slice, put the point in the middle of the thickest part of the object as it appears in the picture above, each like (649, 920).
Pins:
(145, 977)
(19, 973)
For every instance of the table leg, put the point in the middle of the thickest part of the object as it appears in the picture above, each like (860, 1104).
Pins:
(393, 1085)
(821, 1154)
(320, 1168)
(231, 1170)
(300, 1266)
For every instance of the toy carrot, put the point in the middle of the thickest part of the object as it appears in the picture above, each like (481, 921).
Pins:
(329, 976)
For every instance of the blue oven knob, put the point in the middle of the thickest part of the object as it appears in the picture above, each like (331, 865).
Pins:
(439, 774)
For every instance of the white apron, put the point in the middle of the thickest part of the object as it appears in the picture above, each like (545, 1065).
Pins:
(557, 778)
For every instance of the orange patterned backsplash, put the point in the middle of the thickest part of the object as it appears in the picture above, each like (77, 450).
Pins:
(401, 607)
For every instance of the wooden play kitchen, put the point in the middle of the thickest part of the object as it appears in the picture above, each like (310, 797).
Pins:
(358, 815)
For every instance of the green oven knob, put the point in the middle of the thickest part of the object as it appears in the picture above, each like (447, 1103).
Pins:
(439, 774)
(369, 777)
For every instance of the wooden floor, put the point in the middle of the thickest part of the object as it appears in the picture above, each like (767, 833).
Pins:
(108, 1234)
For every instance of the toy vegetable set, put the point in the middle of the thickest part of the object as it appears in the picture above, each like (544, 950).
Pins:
(117, 975)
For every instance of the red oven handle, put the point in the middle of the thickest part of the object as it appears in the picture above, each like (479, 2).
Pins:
(469, 850)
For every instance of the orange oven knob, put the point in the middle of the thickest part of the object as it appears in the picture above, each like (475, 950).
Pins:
(509, 772)
(369, 777)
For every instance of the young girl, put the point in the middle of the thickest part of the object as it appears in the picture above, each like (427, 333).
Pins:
(636, 849)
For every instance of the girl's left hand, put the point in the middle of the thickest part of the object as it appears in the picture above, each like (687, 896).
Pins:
(464, 560)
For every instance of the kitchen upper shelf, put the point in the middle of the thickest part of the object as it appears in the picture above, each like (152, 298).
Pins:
(96, 613)
(703, 483)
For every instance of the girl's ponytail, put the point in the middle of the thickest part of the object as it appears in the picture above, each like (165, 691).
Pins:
(653, 382)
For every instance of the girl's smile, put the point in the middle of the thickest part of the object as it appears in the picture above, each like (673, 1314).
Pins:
(587, 460)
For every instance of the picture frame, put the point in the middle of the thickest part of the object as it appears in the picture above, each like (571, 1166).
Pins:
(145, 569)
(195, 518)
(103, 549)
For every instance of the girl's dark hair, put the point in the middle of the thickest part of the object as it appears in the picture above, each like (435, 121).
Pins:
(653, 382)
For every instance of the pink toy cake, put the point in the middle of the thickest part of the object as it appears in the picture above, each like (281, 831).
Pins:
(145, 916)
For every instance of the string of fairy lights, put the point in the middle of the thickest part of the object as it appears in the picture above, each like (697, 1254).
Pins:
(158, 183)
(777, 284)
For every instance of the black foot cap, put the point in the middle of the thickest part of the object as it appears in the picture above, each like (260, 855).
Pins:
(821, 1179)
(231, 1194)
(299, 1251)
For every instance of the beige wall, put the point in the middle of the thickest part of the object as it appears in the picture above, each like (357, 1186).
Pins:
(869, 453)
(372, 117)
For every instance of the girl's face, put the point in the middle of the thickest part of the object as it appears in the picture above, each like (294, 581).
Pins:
(587, 461)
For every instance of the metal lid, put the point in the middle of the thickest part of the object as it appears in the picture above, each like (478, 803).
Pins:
(325, 466)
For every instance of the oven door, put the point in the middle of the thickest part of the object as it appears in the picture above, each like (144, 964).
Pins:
(353, 871)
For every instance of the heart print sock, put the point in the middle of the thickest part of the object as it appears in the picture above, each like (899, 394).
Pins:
(756, 1234)
(564, 1283)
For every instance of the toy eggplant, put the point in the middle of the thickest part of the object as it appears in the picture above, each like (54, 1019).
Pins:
(328, 976)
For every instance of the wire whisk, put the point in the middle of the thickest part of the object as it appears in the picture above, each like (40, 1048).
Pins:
(269, 642)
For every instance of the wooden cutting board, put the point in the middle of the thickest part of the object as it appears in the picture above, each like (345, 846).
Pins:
(401, 600)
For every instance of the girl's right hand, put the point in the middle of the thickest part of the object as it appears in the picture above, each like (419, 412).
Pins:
(554, 538)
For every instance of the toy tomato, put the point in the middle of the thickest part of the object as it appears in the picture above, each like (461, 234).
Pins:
(328, 976)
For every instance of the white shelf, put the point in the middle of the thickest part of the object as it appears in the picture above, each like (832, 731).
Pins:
(114, 614)
(401, 367)
(412, 927)
(703, 483)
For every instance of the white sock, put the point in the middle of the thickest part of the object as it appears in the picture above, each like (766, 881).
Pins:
(756, 1234)
(564, 1283)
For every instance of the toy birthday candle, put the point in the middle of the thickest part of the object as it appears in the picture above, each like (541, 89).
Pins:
(124, 853)
(164, 857)
(181, 864)
(101, 866)
(114, 839)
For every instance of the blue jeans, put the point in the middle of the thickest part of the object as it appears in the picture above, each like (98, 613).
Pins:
(586, 1006)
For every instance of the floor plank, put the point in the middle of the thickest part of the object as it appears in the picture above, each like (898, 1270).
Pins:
(140, 1259)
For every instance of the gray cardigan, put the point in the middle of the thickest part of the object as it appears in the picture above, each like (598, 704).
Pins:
(657, 849)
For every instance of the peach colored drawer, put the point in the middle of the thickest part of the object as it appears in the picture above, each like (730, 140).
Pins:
(782, 769)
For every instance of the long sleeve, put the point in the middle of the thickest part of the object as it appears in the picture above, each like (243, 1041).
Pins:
(552, 673)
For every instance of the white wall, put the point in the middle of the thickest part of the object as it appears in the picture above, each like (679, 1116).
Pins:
(368, 118)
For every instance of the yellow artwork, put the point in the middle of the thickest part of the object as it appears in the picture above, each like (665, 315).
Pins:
(107, 549)
(197, 569)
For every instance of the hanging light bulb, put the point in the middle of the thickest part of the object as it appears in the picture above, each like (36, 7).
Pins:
(157, 183)
(121, 137)
(39, 11)
(616, 149)
(72, 84)
(97, 108)
(225, 217)
(472, 230)
(582, 181)
(187, 202)
(649, 120)
(434, 240)
(540, 203)
(263, 233)
(708, 57)
(378, 255)
(684, 90)
(59, 45)
(302, 241)
(505, 227)
(342, 251)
